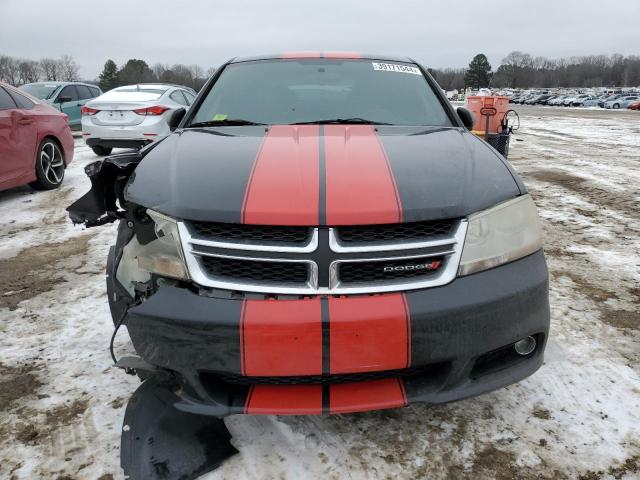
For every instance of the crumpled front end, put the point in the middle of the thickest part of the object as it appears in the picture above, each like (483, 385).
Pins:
(228, 352)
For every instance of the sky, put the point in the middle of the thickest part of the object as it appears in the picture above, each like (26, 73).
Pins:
(435, 33)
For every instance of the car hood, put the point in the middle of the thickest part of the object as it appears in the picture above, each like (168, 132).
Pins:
(321, 175)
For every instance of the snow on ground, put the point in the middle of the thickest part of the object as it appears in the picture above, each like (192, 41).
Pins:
(62, 403)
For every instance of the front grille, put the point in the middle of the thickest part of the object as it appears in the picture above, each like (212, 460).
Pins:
(255, 271)
(253, 233)
(323, 260)
(382, 271)
(394, 232)
(434, 370)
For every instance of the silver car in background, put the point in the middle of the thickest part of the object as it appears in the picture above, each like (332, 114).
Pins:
(131, 116)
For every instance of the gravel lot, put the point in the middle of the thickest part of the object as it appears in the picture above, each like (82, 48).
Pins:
(61, 402)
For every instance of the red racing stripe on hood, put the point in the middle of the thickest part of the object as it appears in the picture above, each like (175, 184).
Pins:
(283, 188)
(354, 55)
(281, 337)
(301, 55)
(369, 334)
(360, 187)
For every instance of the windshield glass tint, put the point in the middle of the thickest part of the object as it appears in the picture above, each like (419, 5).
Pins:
(40, 90)
(293, 91)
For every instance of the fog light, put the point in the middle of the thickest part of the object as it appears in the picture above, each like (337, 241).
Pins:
(525, 346)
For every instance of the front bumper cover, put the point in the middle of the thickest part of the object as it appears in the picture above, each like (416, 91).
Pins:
(344, 354)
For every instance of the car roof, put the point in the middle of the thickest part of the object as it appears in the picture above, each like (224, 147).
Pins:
(320, 55)
(20, 92)
(58, 83)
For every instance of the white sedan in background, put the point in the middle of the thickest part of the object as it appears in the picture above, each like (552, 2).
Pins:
(131, 116)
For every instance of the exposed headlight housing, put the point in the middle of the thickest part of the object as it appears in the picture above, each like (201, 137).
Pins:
(162, 256)
(501, 234)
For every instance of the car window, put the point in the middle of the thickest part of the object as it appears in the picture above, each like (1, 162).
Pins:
(69, 91)
(294, 91)
(6, 101)
(40, 90)
(190, 97)
(95, 91)
(177, 97)
(83, 92)
(22, 101)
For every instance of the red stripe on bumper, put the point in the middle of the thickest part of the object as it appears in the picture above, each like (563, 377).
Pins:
(284, 400)
(281, 337)
(364, 396)
(360, 185)
(369, 333)
(284, 186)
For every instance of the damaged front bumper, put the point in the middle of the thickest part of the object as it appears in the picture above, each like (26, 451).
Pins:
(227, 354)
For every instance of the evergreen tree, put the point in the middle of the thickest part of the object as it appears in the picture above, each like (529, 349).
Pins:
(479, 73)
(135, 71)
(109, 76)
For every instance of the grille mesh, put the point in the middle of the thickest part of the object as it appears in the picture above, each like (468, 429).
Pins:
(395, 232)
(278, 272)
(257, 233)
(235, 379)
(357, 272)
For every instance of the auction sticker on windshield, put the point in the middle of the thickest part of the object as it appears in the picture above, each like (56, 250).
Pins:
(394, 67)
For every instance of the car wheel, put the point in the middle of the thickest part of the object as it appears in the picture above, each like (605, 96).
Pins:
(616, 105)
(49, 166)
(101, 151)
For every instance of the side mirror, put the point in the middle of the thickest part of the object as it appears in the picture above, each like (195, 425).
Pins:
(466, 116)
(63, 99)
(176, 117)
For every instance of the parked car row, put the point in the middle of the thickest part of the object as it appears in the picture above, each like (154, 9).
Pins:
(603, 100)
(36, 119)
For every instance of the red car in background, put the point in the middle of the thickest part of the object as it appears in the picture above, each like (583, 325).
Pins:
(635, 105)
(36, 143)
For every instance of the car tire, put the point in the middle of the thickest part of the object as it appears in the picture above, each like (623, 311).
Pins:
(101, 151)
(616, 106)
(50, 166)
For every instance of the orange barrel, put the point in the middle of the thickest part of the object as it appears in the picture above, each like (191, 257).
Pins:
(496, 107)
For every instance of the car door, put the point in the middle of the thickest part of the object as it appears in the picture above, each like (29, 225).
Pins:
(18, 137)
(68, 101)
(84, 94)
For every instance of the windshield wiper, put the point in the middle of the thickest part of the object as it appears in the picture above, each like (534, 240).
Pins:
(344, 121)
(227, 122)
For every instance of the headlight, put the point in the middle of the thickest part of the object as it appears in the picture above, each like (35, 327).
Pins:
(163, 256)
(501, 234)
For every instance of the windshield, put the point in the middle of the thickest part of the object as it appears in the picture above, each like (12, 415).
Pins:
(305, 91)
(40, 90)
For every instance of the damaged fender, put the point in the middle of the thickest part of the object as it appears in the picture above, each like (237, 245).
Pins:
(108, 179)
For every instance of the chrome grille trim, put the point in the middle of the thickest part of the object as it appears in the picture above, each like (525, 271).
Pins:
(449, 248)
(339, 247)
(308, 247)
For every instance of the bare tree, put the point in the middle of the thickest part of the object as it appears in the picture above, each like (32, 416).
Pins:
(211, 71)
(197, 72)
(29, 71)
(68, 68)
(159, 69)
(9, 70)
(50, 69)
